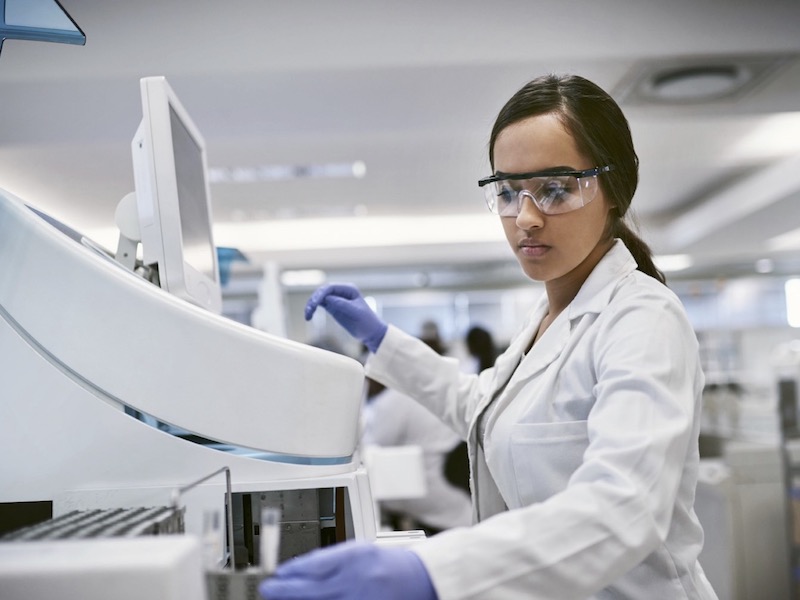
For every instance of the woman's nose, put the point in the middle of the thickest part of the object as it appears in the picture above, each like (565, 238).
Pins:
(529, 217)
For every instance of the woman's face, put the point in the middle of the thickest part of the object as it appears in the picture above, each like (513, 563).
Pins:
(550, 247)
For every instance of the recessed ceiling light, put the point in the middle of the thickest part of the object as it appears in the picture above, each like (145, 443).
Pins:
(764, 265)
(697, 83)
(697, 79)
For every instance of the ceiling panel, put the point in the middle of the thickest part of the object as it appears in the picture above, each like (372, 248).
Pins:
(411, 89)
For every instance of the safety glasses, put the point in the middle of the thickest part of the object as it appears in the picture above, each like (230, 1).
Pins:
(554, 192)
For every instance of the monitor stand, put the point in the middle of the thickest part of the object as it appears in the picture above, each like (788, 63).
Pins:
(126, 218)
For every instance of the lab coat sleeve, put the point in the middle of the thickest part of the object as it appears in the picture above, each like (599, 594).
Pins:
(406, 364)
(618, 504)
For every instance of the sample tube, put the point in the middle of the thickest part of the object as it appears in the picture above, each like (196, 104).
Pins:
(270, 538)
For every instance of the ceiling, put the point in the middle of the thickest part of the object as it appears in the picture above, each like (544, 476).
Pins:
(411, 89)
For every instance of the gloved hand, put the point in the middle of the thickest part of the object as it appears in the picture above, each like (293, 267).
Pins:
(351, 571)
(347, 306)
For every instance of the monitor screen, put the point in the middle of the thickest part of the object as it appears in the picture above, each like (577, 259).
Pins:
(173, 199)
(190, 177)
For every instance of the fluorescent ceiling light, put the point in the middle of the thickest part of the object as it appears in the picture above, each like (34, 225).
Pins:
(244, 174)
(303, 278)
(776, 135)
(343, 232)
(670, 263)
(358, 232)
(786, 241)
(792, 290)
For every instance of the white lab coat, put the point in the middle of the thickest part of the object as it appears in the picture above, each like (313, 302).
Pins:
(394, 419)
(591, 444)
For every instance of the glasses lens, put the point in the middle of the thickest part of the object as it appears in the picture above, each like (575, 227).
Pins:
(553, 195)
(556, 195)
(502, 198)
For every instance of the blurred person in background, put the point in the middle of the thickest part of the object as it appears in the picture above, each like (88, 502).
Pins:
(481, 347)
(394, 419)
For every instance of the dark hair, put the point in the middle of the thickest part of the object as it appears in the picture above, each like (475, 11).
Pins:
(601, 132)
(481, 345)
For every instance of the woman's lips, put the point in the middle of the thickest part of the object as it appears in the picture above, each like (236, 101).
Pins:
(532, 249)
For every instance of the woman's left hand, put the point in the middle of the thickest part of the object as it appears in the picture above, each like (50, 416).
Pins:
(349, 571)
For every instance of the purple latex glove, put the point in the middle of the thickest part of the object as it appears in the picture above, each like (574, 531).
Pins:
(347, 306)
(351, 571)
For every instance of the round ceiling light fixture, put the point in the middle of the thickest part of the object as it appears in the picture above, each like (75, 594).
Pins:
(698, 79)
(697, 83)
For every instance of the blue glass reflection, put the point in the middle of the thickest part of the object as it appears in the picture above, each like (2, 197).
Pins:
(39, 21)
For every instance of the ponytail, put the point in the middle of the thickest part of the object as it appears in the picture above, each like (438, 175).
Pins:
(638, 248)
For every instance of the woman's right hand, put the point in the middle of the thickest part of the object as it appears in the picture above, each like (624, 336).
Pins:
(347, 306)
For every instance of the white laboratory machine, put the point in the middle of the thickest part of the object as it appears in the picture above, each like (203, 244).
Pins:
(117, 393)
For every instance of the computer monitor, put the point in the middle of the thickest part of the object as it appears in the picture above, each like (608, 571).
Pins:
(173, 199)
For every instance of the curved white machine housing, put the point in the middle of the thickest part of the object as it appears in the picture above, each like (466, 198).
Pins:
(81, 338)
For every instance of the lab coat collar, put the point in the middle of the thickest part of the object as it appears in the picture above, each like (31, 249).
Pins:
(596, 291)
(593, 296)
(545, 351)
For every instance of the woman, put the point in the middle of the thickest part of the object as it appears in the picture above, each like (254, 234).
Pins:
(583, 437)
